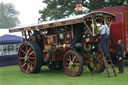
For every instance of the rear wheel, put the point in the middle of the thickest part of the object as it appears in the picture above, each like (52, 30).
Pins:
(29, 57)
(97, 64)
(73, 63)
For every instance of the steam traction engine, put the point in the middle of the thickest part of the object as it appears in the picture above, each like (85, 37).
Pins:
(48, 43)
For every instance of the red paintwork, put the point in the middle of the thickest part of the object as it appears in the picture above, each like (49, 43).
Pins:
(60, 51)
(119, 28)
(61, 48)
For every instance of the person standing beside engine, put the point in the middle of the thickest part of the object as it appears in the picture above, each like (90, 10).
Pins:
(120, 56)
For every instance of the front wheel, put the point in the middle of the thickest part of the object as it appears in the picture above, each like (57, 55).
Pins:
(29, 57)
(73, 63)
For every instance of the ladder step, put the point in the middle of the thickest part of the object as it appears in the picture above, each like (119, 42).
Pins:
(108, 62)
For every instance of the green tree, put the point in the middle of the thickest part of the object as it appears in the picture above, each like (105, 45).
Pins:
(8, 16)
(57, 9)
(63, 8)
(97, 4)
(117, 2)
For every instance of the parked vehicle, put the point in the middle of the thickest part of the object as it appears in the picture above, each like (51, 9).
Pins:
(48, 43)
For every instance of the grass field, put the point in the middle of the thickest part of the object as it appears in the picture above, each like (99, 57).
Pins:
(11, 75)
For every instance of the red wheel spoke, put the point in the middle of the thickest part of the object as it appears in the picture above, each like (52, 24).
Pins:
(69, 57)
(29, 50)
(31, 67)
(32, 62)
(73, 58)
(96, 66)
(73, 69)
(21, 57)
(77, 60)
(70, 68)
(26, 46)
(24, 65)
(27, 68)
(77, 64)
(23, 51)
(76, 69)
(32, 58)
(101, 62)
(31, 53)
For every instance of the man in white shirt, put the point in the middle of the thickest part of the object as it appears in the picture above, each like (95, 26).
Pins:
(104, 33)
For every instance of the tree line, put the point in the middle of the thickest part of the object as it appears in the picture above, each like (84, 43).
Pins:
(63, 8)
(8, 16)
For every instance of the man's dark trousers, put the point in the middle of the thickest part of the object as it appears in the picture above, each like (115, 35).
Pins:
(77, 30)
(120, 54)
(105, 44)
(121, 65)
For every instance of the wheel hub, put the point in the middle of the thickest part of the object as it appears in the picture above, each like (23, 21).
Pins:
(71, 63)
(26, 58)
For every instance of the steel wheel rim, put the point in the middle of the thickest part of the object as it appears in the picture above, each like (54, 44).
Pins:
(26, 58)
(72, 64)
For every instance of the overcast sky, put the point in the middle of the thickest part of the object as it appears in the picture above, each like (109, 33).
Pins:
(29, 10)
